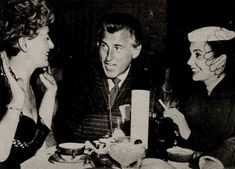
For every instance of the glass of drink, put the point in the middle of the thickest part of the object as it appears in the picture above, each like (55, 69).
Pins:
(125, 152)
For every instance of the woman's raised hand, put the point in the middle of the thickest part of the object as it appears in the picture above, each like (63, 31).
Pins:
(15, 85)
(47, 106)
(180, 120)
(48, 81)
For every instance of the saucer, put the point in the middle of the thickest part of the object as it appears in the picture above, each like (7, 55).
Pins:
(56, 157)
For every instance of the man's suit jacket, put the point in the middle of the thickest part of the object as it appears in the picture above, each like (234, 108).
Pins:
(86, 116)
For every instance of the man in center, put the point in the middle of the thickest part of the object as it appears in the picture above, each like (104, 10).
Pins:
(120, 42)
(110, 83)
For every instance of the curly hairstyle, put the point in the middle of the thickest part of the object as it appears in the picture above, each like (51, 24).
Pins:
(22, 18)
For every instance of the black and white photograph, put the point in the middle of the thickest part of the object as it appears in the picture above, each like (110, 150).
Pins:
(117, 84)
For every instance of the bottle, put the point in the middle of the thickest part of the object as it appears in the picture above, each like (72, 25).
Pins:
(117, 133)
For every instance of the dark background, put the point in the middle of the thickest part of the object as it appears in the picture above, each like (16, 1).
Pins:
(185, 16)
(165, 25)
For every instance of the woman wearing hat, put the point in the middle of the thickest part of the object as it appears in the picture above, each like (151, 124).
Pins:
(206, 122)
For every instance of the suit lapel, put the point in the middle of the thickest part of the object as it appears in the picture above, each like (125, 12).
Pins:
(101, 87)
(125, 89)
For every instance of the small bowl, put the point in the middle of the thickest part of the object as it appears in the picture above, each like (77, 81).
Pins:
(180, 154)
(71, 149)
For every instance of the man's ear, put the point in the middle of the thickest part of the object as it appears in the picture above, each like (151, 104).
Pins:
(137, 51)
(22, 44)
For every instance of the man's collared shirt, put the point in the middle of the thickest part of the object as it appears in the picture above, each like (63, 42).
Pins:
(122, 77)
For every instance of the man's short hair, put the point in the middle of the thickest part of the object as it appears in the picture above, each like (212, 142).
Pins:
(115, 22)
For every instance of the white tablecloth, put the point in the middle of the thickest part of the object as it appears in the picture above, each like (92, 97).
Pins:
(40, 161)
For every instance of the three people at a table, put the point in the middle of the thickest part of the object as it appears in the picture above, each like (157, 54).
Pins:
(206, 120)
(206, 123)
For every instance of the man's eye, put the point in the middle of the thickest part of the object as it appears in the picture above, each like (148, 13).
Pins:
(102, 45)
(117, 47)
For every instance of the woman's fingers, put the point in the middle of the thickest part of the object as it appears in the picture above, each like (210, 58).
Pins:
(174, 114)
(5, 65)
(179, 119)
(16, 86)
(48, 81)
(9, 74)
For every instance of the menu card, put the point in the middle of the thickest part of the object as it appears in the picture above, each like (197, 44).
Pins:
(140, 115)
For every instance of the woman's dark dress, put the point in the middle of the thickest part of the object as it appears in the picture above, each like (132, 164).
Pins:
(212, 121)
(28, 139)
(29, 135)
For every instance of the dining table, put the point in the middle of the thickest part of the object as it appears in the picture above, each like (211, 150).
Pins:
(41, 161)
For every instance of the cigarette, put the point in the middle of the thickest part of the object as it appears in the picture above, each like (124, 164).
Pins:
(49, 70)
(163, 105)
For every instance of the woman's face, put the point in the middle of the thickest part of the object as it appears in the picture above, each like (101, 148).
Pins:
(204, 65)
(38, 48)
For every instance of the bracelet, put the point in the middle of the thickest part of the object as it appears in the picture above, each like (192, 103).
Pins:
(11, 107)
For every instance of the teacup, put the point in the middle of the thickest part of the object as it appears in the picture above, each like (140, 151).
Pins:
(70, 149)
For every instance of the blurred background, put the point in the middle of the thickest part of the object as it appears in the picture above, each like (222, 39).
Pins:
(165, 25)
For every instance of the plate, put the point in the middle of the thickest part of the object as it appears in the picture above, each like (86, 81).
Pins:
(56, 157)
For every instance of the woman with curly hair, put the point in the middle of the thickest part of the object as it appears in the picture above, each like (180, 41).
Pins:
(24, 122)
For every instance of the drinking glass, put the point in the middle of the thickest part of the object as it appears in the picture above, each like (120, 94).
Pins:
(126, 152)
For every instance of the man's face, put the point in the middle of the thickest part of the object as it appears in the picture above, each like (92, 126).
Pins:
(116, 52)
